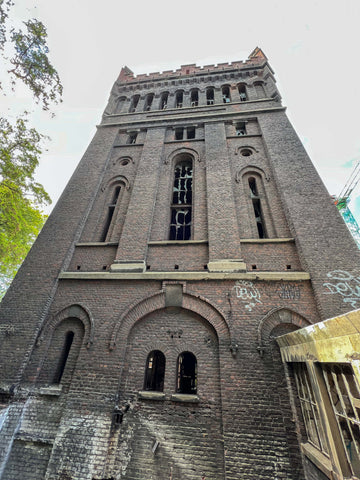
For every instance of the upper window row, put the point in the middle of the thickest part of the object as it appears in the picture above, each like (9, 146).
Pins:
(196, 98)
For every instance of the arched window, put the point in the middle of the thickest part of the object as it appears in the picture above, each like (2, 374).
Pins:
(164, 100)
(257, 208)
(110, 213)
(194, 98)
(181, 205)
(155, 371)
(260, 90)
(210, 96)
(64, 356)
(148, 102)
(179, 99)
(134, 101)
(120, 104)
(186, 373)
(242, 92)
(226, 94)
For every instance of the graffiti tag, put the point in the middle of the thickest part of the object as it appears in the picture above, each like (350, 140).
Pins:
(247, 293)
(289, 291)
(344, 284)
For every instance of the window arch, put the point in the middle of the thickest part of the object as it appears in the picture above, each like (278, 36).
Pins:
(194, 98)
(179, 99)
(164, 100)
(120, 104)
(181, 203)
(148, 102)
(69, 338)
(155, 371)
(256, 203)
(186, 373)
(242, 92)
(134, 102)
(210, 96)
(225, 90)
(259, 89)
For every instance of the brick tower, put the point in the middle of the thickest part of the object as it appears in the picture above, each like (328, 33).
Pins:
(137, 338)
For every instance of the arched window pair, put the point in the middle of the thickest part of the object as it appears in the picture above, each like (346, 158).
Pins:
(186, 378)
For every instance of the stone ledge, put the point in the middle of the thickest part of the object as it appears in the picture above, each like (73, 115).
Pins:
(177, 242)
(51, 391)
(266, 240)
(196, 276)
(146, 395)
(227, 265)
(184, 397)
(128, 267)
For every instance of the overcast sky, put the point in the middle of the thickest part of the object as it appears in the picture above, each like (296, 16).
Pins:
(311, 45)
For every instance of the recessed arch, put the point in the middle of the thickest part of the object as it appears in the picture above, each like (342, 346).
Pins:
(182, 151)
(114, 180)
(251, 169)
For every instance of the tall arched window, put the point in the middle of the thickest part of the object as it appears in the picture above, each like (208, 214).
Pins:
(64, 356)
(148, 102)
(194, 98)
(164, 100)
(134, 101)
(120, 104)
(110, 213)
(186, 373)
(260, 90)
(155, 371)
(181, 205)
(225, 90)
(179, 99)
(210, 96)
(242, 92)
(255, 198)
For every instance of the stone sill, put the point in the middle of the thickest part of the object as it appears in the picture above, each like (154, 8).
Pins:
(51, 391)
(177, 242)
(97, 244)
(196, 276)
(266, 240)
(183, 397)
(322, 462)
(146, 395)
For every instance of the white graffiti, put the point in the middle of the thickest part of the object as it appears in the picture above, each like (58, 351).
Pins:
(346, 285)
(248, 293)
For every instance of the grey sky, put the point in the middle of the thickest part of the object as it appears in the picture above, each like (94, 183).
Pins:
(311, 45)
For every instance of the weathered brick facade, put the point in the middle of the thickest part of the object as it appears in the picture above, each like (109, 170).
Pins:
(106, 284)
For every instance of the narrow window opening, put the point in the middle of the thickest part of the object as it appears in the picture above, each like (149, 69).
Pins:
(164, 101)
(254, 267)
(148, 267)
(194, 98)
(210, 96)
(257, 208)
(132, 138)
(104, 267)
(179, 133)
(190, 131)
(148, 102)
(240, 129)
(176, 267)
(78, 267)
(64, 356)
(155, 371)
(226, 94)
(187, 373)
(179, 99)
(110, 214)
(288, 267)
(181, 207)
(134, 103)
(205, 267)
(242, 93)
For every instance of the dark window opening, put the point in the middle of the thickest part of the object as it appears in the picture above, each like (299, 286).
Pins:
(64, 356)
(257, 208)
(246, 152)
(148, 102)
(134, 103)
(240, 129)
(179, 133)
(190, 131)
(176, 267)
(181, 208)
(132, 138)
(155, 371)
(226, 94)
(179, 100)
(163, 101)
(187, 373)
(210, 96)
(194, 98)
(110, 214)
(242, 93)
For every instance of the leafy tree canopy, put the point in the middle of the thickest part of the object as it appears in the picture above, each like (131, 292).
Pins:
(24, 59)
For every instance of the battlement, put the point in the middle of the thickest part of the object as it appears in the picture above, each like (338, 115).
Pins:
(256, 58)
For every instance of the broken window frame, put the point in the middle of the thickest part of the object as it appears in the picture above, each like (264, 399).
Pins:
(225, 91)
(181, 202)
(179, 99)
(155, 371)
(131, 140)
(240, 129)
(186, 381)
(256, 203)
(242, 92)
(344, 396)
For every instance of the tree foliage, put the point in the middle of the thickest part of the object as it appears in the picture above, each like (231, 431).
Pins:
(24, 52)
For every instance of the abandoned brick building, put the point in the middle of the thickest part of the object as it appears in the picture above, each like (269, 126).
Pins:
(138, 338)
